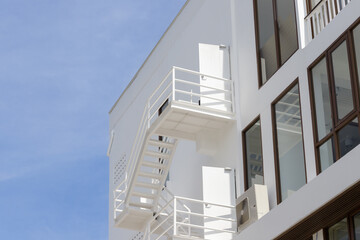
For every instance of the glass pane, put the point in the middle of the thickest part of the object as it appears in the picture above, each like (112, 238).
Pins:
(344, 98)
(326, 154)
(322, 99)
(357, 226)
(356, 34)
(339, 231)
(287, 28)
(349, 137)
(268, 63)
(254, 155)
(289, 143)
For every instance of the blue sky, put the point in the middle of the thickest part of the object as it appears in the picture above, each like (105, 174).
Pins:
(62, 66)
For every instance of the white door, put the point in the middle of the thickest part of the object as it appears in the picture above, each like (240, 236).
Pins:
(219, 188)
(214, 60)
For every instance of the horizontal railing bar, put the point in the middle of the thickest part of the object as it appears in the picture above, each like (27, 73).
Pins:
(202, 227)
(161, 83)
(167, 218)
(202, 85)
(201, 95)
(160, 95)
(155, 112)
(314, 8)
(171, 226)
(120, 184)
(163, 208)
(199, 201)
(207, 216)
(200, 74)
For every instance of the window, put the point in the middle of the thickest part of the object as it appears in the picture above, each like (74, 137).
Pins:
(346, 229)
(253, 162)
(334, 94)
(288, 148)
(276, 35)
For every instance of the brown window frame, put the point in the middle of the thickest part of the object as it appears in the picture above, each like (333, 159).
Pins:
(350, 224)
(277, 40)
(244, 146)
(275, 138)
(337, 124)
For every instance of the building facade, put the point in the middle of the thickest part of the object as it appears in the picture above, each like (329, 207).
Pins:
(242, 123)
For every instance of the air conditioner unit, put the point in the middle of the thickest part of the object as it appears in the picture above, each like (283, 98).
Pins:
(251, 206)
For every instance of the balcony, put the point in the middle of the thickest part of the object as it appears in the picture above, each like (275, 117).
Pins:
(321, 15)
(184, 218)
(185, 105)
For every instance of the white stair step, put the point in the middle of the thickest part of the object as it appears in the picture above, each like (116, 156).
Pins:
(151, 175)
(141, 205)
(144, 195)
(160, 144)
(154, 165)
(147, 185)
(158, 154)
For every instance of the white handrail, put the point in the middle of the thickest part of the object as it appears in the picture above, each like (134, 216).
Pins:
(321, 15)
(161, 94)
(175, 219)
(201, 74)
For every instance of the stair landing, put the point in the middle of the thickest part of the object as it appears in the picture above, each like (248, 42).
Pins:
(183, 120)
(133, 219)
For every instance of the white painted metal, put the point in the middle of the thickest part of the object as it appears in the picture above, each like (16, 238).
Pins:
(324, 12)
(176, 219)
(152, 153)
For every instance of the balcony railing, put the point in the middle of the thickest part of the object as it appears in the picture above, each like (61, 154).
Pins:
(176, 219)
(184, 86)
(194, 88)
(322, 14)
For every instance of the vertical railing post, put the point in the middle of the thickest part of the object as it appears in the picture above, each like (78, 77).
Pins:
(232, 86)
(148, 231)
(175, 227)
(173, 84)
(148, 110)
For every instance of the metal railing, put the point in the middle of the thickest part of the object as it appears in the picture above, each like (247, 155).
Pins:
(176, 218)
(181, 85)
(191, 87)
(321, 15)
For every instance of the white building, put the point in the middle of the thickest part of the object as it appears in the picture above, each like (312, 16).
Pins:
(237, 93)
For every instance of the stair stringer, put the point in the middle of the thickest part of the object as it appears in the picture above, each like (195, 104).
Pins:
(148, 136)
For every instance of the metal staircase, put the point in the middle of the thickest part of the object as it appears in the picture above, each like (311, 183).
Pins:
(183, 105)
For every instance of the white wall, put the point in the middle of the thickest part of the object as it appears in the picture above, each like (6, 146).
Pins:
(254, 102)
(231, 22)
(201, 21)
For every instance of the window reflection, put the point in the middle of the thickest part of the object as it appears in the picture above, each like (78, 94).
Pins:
(327, 157)
(267, 49)
(344, 98)
(287, 28)
(254, 160)
(357, 226)
(349, 137)
(322, 98)
(356, 35)
(289, 143)
(339, 231)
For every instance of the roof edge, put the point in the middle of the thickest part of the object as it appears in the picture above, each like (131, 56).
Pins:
(147, 58)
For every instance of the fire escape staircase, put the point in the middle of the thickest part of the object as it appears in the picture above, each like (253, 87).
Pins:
(184, 104)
